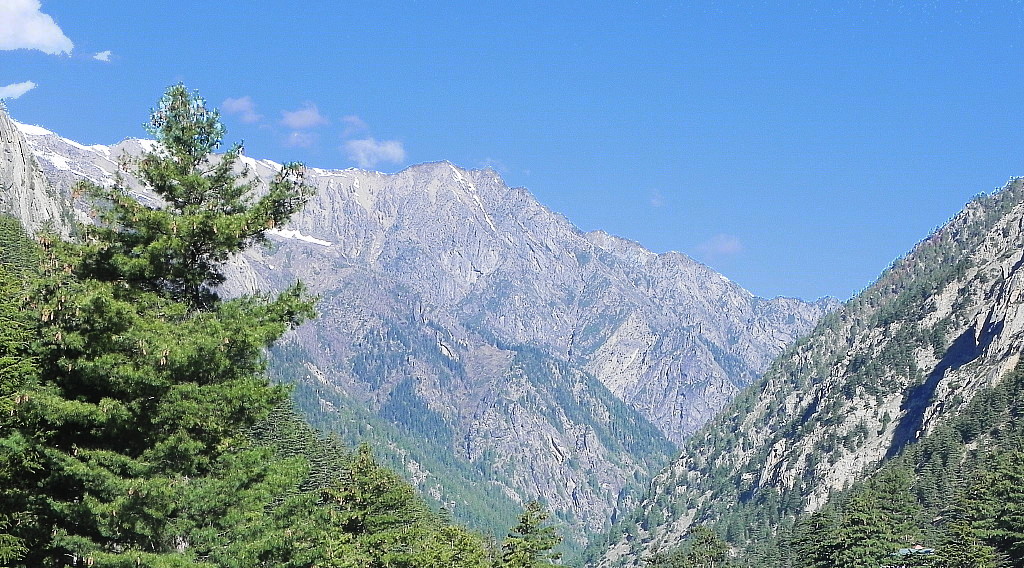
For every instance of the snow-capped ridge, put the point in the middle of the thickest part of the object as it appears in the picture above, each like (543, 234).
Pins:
(35, 130)
(31, 129)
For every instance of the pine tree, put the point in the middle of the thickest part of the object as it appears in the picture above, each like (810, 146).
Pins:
(148, 379)
(531, 542)
(998, 508)
(812, 542)
(962, 548)
(210, 211)
(703, 548)
(18, 376)
(707, 549)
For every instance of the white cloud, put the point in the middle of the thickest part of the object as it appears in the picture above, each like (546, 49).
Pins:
(244, 107)
(102, 56)
(353, 124)
(16, 90)
(494, 164)
(306, 117)
(721, 245)
(367, 153)
(656, 199)
(23, 26)
(300, 139)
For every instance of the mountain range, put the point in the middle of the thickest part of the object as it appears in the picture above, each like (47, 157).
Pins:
(488, 348)
(493, 353)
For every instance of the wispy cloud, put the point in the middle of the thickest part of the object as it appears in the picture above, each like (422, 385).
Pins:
(102, 56)
(367, 153)
(23, 26)
(353, 124)
(656, 199)
(304, 118)
(720, 245)
(16, 90)
(300, 139)
(243, 107)
(494, 164)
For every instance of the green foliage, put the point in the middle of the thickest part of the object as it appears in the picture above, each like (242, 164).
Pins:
(863, 530)
(19, 254)
(531, 542)
(703, 548)
(18, 379)
(351, 511)
(998, 511)
(210, 212)
(377, 520)
(147, 379)
(958, 491)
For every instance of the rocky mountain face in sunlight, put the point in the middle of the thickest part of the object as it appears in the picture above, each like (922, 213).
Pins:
(514, 351)
(880, 373)
(25, 192)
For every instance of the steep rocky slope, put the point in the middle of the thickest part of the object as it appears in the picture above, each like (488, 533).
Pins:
(512, 350)
(876, 375)
(24, 190)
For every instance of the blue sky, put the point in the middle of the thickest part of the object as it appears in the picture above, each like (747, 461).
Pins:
(796, 147)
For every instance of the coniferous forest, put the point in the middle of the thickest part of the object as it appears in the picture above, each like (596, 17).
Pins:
(953, 500)
(137, 424)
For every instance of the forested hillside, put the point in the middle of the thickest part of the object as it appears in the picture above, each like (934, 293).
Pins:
(959, 493)
(137, 424)
(899, 362)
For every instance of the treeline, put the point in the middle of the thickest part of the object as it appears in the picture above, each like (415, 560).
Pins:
(137, 424)
(953, 500)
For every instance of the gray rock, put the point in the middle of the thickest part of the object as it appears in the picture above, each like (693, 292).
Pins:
(24, 191)
(876, 375)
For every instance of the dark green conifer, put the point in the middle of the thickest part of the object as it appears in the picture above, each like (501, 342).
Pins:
(532, 541)
(148, 377)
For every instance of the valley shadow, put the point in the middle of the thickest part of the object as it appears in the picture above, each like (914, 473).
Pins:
(964, 350)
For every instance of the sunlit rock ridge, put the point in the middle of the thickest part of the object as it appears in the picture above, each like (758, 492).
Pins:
(24, 191)
(903, 357)
(475, 320)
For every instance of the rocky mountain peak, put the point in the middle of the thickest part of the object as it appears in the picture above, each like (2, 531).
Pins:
(465, 318)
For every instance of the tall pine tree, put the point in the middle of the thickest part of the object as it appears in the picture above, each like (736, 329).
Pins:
(17, 380)
(148, 377)
(531, 543)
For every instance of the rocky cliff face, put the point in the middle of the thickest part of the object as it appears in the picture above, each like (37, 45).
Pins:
(664, 333)
(875, 376)
(24, 191)
(468, 316)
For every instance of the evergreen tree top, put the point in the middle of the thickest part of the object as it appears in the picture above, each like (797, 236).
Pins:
(212, 209)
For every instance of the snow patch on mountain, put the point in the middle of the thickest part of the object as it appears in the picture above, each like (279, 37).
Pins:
(30, 129)
(33, 130)
(296, 235)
